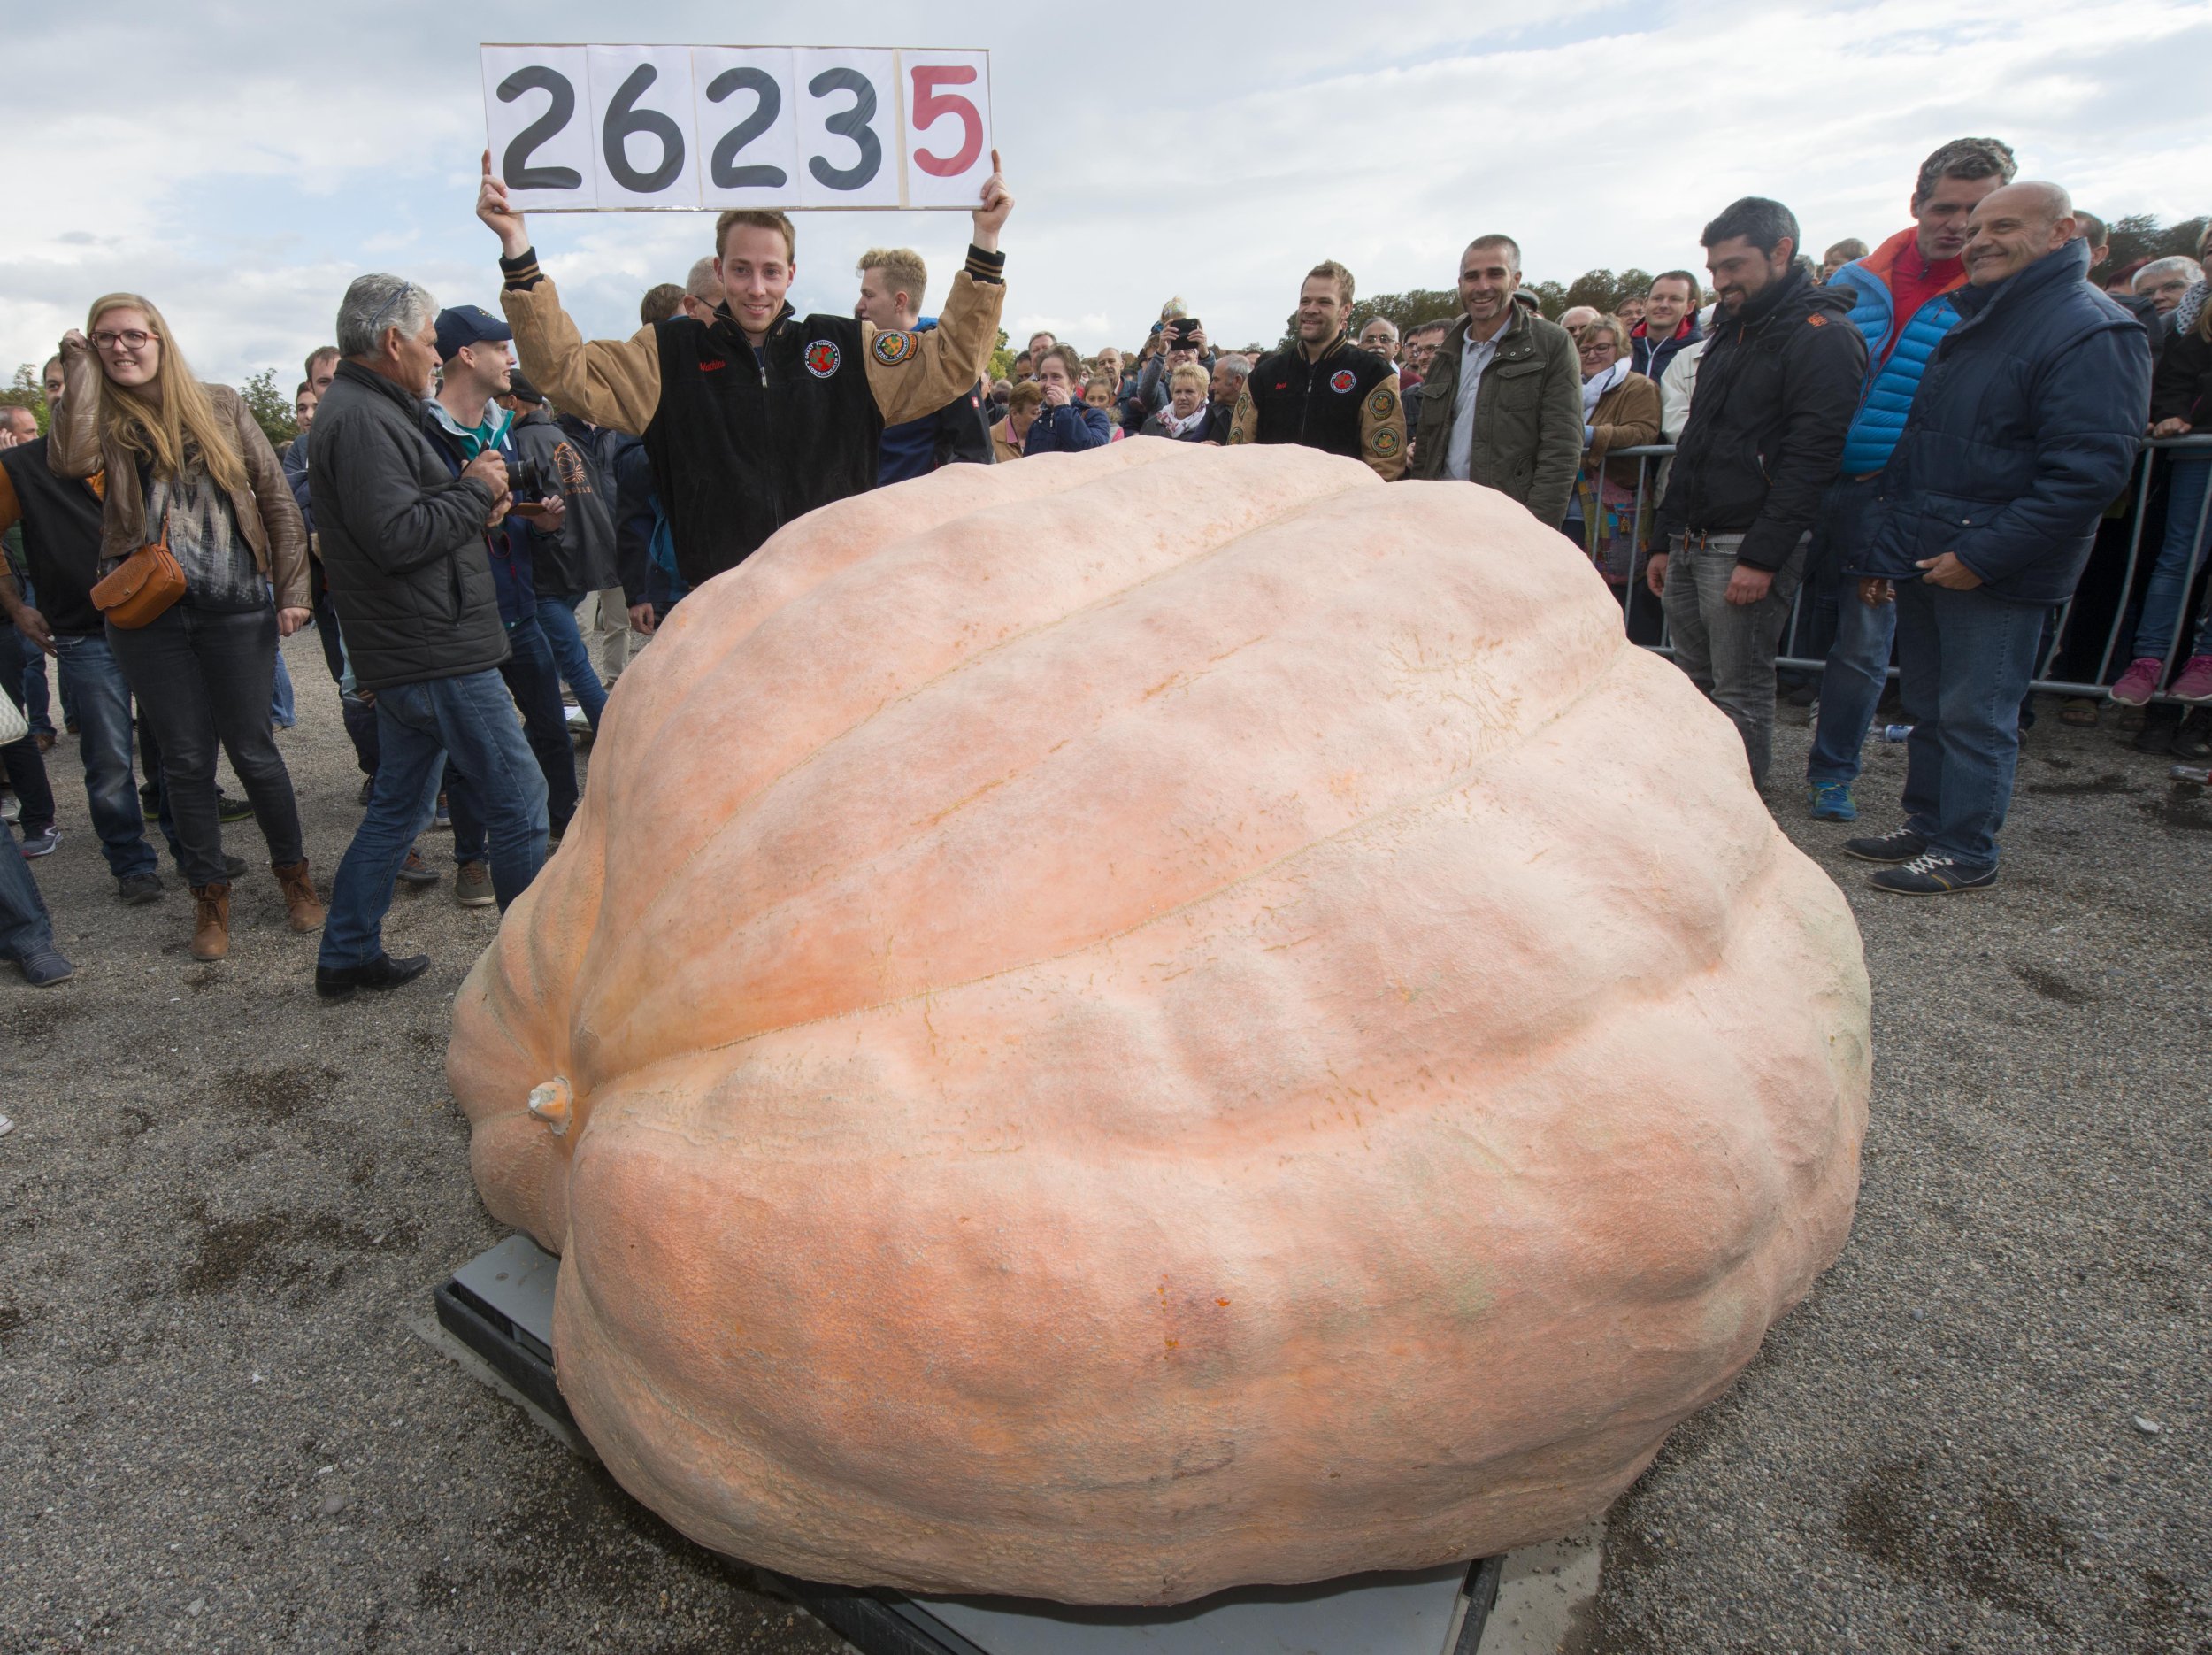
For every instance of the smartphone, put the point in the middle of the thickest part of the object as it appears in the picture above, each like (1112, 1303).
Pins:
(1181, 331)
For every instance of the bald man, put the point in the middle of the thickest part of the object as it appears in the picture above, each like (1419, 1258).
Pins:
(2024, 429)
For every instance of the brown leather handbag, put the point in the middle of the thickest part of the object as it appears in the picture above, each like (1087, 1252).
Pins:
(142, 588)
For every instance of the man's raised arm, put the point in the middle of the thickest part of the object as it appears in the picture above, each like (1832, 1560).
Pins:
(612, 382)
(915, 374)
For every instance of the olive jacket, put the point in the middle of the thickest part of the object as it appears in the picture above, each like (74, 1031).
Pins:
(1527, 440)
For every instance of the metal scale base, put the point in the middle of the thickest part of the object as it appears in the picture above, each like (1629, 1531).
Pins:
(500, 1305)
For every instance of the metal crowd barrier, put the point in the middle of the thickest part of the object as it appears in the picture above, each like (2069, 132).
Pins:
(1642, 608)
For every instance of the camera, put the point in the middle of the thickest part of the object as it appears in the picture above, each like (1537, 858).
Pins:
(526, 480)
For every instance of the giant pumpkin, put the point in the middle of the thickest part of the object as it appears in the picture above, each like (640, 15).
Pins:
(1129, 1023)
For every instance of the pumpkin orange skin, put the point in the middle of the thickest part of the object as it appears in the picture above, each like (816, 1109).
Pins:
(1157, 1019)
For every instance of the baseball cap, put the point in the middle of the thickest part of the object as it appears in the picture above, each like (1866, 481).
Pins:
(468, 325)
(521, 389)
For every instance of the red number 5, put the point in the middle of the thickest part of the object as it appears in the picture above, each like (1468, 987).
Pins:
(929, 105)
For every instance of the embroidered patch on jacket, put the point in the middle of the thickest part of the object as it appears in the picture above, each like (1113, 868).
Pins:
(1385, 441)
(1816, 321)
(1343, 380)
(1381, 402)
(822, 357)
(892, 348)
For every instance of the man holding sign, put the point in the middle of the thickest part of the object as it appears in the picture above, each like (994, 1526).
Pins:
(760, 415)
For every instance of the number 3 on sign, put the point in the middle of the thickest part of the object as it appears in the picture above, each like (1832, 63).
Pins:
(579, 128)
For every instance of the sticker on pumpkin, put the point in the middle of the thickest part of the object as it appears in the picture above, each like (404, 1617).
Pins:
(822, 357)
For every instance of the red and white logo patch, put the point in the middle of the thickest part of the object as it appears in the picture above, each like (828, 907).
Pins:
(822, 357)
(1343, 380)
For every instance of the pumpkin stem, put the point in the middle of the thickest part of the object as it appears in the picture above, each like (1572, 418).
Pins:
(552, 1102)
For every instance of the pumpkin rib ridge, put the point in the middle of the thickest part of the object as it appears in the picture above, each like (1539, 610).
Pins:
(1116, 710)
(1397, 807)
(701, 679)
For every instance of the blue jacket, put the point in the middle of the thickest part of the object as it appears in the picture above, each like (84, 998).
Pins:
(1068, 430)
(2027, 424)
(1890, 385)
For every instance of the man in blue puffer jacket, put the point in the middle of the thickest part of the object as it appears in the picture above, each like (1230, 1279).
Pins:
(1903, 304)
(2026, 424)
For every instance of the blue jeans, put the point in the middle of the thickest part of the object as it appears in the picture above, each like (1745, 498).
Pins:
(556, 617)
(2169, 587)
(25, 927)
(91, 679)
(1858, 663)
(1964, 662)
(282, 707)
(535, 684)
(417, 725)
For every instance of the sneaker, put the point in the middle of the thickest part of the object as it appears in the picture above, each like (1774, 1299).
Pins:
(150, 796)
(2140, 682)
(2194, 739)
(11, 808)
(1903, 846)
(441, 819)
(2194, 685)
(230, 810)
(43, 967)
(2080, 711)
(41, 843)
(473, 885)
(1831, 802)
(415, 871)
(1932, 875)
(138, 890)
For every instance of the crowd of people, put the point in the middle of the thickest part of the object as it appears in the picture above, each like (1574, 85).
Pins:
(1931, 436)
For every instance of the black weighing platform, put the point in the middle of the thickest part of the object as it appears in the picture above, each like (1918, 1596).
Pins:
(500, 1305)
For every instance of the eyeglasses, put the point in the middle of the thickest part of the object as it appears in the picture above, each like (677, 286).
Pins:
(128, 338)
(1600, 347)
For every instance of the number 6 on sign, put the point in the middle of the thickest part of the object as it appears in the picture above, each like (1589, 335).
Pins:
(948, 132)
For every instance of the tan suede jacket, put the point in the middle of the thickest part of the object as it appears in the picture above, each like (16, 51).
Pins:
(267, 515)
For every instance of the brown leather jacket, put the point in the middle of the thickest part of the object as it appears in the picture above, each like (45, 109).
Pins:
(267, 516)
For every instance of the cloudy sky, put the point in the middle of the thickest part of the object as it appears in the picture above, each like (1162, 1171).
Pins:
(240, 164)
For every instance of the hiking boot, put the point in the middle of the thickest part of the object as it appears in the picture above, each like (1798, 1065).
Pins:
(43, 967)
(40, 844)
(1902, 846)
(2194, 685)
(1831, 802)
(137, 889)
(383, 971)
(230, 810)
(302, 908)
(1932, 875)
(2140, 682)
(473, 885)
(415, 871)
(210, 922)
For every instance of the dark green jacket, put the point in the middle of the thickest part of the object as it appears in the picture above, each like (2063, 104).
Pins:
(1528, 416)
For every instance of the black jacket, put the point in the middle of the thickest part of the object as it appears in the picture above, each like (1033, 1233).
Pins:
(2182, 386)
(742, 445)
(403, 539)
(580, 557)
(1776, 393)
(2025, 427)
(61, 539)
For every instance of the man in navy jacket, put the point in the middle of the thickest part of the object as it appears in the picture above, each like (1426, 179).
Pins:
(2024, 428)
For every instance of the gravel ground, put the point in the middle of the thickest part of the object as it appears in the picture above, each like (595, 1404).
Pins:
(223, 1203)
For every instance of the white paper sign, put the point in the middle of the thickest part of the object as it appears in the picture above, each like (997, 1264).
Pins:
(848, 140)
(642, 126)
(947, 126)
(616, 128)
(748, 126)
(534, 99)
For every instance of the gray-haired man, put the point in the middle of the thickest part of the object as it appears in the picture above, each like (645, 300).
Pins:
(403, 543)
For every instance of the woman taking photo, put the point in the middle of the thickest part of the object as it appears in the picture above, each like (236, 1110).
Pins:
(187, 467)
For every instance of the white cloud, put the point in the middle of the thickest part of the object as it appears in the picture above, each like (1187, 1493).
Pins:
(1214, 152)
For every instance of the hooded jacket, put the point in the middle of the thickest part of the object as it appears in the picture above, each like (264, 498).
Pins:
(403, 538)
(2028, 422)
(1776, 390)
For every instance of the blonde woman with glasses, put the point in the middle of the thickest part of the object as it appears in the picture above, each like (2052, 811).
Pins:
(185, 463)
